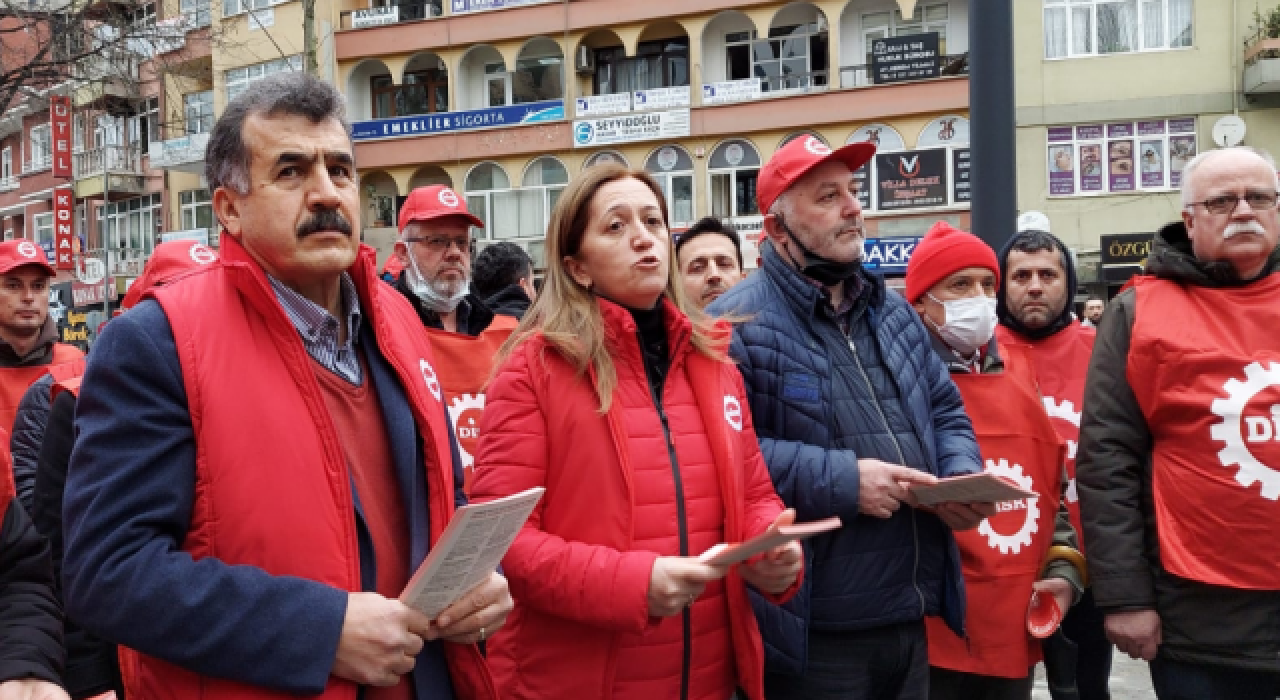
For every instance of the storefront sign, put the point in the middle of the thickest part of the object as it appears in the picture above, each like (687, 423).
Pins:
(745, 224)
(83, 295)
(184, 150)
(375, 17)
(888, 255)
(442, 122)
(862, 176)
(912, 179)
(901, 58)
(650, 126)
(461, 7)
(1124, 255)
(960, 175)
(1089, 131)
(63, 228)
(60, 126)
(731, 91)
(1185, 125)
(595, 105)
(661, 98)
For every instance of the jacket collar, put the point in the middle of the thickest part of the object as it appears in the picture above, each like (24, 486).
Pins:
(1172, 258)
(620, 328)
(805, 295)
(990, 361)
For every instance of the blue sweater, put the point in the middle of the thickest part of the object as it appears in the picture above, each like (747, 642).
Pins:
(821, 400)
(128, 503)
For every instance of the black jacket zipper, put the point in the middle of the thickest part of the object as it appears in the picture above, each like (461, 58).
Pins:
(682, 522)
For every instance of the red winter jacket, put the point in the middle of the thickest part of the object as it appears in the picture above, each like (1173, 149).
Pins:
(579, 571)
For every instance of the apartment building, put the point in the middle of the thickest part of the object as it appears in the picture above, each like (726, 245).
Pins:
(507, 100)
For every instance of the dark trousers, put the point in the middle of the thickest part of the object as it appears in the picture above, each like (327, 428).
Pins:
(945, 684)
(1083, 627)
(1174, 680)
(886, 663)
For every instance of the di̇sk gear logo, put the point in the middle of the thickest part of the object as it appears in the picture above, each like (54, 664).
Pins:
(469, 429)
(27, 249)
(1066, 411)
(733, 412)
(449, 198)
(202, 255)
(1012, 544)
(816, 147)
(429, 376)
(1231, 410)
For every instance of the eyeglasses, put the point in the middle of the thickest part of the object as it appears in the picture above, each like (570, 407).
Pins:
(1227, 203)
(441, 244)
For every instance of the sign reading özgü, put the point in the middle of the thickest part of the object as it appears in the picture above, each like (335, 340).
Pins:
(899, 58)
(60, 126)
(63, 204)
(910, 179)
(648, 126)
(442, 122)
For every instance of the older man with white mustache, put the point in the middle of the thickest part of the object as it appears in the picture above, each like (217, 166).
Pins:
(1179, 461)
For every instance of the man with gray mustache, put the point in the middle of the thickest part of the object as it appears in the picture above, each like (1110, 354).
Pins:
(1179, 463)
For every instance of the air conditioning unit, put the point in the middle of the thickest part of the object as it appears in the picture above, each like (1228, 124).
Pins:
(585, 60)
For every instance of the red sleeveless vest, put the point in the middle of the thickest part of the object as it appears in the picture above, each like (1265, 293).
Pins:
(7, 488)
(1061, 362)
(248, 377)
(1204, 365)
(14, 381)
(1003, 556)
(465, 363)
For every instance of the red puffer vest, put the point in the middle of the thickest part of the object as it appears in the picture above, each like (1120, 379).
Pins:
(14, 381)
(247, 375)
(579, 571)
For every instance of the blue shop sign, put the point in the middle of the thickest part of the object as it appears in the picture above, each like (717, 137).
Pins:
(442, 122)
(888, 256)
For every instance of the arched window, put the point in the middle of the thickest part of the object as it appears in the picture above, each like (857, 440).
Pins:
(734, 168)
(605, 157)
(545, 178)
(798, 134)
(481, 183)
(672, 167)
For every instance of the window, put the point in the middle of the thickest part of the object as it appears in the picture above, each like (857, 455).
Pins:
(928, 19)
(497, 85)
(6, 163)
(672, 167)
(423, 92)
(145, 127)
(793, 57)
(235, 7)
(538, 78)
(41, 148)
(239, 79)
(657, 64)
(197, 212)
(196, 12)
(44, 227)
(734, 167)
(1119, 157)
(77, 134)
(604, 157)
(140, 16)
(480, 182)
(547, 177)
(1095, 27)
(197, 108)
(131, 224)
(513, 213)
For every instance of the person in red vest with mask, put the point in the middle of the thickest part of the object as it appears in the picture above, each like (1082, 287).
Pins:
(1034, 305)
(29, 347)
(263, 456)
(951, 282)
(1179, 463)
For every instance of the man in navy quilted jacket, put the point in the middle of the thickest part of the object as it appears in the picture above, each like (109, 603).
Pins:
(852, 407)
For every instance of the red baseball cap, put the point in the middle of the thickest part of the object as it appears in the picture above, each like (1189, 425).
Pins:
(435, 202)
(798, 157)
(169, 261)
(15, 254)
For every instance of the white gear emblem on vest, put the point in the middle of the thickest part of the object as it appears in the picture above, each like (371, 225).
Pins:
(429, 376)
(733, 412)
(1012, 544)
(1231, 410)
(1066, 411)
(460, 405)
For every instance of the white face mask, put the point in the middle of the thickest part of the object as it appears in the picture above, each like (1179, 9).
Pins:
(431, 297)
(970, 323)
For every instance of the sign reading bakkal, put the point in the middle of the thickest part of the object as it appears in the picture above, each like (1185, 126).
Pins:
(911, 179)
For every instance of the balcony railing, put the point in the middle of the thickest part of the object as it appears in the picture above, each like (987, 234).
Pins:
(182, 151)
(8, 184)
(859, 76)
(391, 14)
(110, 159)
(121, 262)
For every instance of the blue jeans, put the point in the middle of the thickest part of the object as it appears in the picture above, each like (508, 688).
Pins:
(1174, 680)
(886, 663)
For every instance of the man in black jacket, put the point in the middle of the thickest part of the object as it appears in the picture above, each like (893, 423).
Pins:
(30, 618)
(504, 279)
(1177, 468)
(435, 247)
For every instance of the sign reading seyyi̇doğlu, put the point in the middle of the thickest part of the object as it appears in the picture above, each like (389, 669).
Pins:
(911, 179)
(443, 122)
(647, 126)
(888, 255)
(900, 58)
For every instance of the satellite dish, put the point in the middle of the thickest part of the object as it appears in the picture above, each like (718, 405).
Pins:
(1229, 131)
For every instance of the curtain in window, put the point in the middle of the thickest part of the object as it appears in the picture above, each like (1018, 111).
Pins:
(1152, 24)
(1118, 26)
(1180, 23)
(1055, 32)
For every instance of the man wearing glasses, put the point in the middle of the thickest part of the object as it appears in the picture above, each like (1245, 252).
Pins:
(1179, 462)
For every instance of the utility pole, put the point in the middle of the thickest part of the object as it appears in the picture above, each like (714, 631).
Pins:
(993, 142)
(309, 64)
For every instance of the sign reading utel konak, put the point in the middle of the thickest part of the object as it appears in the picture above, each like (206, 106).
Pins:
(63, 206)
(443, 122)
(60, 125)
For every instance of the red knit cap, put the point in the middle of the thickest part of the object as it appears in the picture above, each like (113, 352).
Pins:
(945, 250)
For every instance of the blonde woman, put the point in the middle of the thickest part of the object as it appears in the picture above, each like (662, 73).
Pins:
(617, 396)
